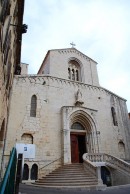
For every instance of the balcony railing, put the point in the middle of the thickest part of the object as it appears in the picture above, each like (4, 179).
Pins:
(109, 160)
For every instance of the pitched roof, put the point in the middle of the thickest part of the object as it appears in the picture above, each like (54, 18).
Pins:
(62, 50)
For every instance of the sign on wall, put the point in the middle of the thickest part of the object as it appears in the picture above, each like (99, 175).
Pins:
(28, 150)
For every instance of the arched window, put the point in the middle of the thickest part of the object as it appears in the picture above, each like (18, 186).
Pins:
(77, 75)
(69, 74)
(77, 126)
(25, 172)
(74, 71)
(73, 74)
(34, 172)
(114, 116)
(33, 106)
(2, 131)
(121, 147)
(27, 138)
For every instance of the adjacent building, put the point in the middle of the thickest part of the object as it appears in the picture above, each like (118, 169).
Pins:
(11, 29)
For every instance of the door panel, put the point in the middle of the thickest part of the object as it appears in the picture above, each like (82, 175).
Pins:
(82, 147)
(74, 149)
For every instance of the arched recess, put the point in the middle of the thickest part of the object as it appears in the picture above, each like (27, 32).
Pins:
(2, 130)
(75, 69)
(121, 147)
(106, 176)
(34, 172)
(26, 172)
(27, 138)
(114, 117)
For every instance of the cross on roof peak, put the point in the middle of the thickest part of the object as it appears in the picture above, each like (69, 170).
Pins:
(72, 44)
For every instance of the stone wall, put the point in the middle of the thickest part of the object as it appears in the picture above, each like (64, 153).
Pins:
(46, 127)
(119, 178)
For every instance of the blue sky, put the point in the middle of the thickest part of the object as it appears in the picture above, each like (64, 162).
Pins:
(99, 28)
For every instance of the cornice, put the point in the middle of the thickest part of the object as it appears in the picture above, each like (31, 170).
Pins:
(73, 50)
(66, 81)
(81, 107)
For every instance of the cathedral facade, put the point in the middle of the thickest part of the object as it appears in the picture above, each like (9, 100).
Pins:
(65, 113)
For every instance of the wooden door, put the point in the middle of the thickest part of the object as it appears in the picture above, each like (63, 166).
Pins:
(74, 149)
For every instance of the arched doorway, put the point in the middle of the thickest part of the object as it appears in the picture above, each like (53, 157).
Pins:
(106, 176)
(78, 142)
(34, 172)
(83, 136)
(72, 117)
(78, 148)
(25, 172)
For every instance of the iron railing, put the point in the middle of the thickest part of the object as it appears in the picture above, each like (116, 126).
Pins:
(50, 163)
(8, 184)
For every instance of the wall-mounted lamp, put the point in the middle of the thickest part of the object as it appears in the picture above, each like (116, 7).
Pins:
(23, 27)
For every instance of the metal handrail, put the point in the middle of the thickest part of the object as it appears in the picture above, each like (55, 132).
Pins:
(8, 184)
(50, 163)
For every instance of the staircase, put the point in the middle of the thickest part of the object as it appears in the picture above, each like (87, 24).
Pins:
(68, 176)
(110, 161)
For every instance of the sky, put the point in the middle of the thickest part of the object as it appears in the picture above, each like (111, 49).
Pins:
(99, 28)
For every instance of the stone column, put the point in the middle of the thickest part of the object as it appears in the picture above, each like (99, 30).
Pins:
(66, 149)
(99, 175)
(66, 146)
(29, 173)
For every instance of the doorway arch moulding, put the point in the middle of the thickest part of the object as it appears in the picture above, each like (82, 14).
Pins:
(85, 116)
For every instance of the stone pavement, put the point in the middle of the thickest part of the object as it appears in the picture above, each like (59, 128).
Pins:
(28, 189)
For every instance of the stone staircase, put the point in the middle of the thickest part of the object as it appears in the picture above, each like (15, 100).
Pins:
(68, 176)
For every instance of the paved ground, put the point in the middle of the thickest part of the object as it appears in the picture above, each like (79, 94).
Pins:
(27, 189)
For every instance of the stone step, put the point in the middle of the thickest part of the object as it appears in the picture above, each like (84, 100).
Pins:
(69, 167)
(66, 184)
(68, 179)
(86, 187)
(73, 166)
(72, 175)
(70, 170)
(67, 176)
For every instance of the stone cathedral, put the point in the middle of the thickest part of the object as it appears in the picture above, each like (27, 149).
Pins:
(65, 113)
